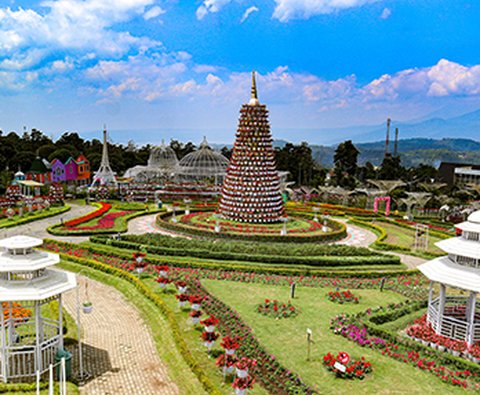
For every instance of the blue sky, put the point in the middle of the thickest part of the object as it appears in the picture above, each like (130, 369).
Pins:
(153, 69)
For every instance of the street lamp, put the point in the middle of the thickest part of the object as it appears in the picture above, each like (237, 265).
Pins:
(283, 232)
(82, 375)
(316, 209)
(187, 206)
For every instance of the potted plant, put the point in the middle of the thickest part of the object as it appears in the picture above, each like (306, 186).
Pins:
(163, 282)
(242, 384)
(243, 366)
(182, 299)
(182, 287)
(195, 316)
(210, 323)
(87, 307)
(163, 270)
(230, 344)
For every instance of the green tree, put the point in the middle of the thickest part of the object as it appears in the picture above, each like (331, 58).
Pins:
(345, 159)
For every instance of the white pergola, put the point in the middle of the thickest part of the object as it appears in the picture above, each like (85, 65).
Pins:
(29, 342)
(456, 316)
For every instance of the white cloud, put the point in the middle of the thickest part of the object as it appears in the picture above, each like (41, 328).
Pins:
(286, 10)
(446, 78)
(247, 13)
(386, 13)
(153, 13)
(210, 6)
(72, 25)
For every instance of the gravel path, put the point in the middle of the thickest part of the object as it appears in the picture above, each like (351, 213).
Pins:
(117, 346)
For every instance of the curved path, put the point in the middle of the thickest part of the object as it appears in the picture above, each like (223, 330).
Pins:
(39, 228)
(146, 224)
(117, 346)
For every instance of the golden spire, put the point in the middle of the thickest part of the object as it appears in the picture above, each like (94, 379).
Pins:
(254, 98)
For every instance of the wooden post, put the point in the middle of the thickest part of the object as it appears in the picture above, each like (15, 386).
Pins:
(441, 308)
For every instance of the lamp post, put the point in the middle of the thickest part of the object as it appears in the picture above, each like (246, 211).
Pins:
(82, 375)
(316, 209)
(187, 206)
(174, 215)
(217, 223)
(283, 232)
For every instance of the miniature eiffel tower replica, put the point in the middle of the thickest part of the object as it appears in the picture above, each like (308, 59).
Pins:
(105, 175)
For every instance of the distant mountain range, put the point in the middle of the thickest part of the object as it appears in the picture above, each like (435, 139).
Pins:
(412, 152)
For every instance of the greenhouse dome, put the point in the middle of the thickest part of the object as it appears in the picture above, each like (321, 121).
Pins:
(203, 163)
(162, 163)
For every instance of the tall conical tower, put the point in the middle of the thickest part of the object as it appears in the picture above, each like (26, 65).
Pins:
(105, 174)
(251, 188)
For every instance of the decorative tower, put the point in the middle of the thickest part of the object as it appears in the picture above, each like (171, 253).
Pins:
(251, 188)
(104, 175)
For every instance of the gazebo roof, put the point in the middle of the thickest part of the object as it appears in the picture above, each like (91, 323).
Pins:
(460, 246)
(24, 263)
(19, 242)
(444, 271)
(53, 283)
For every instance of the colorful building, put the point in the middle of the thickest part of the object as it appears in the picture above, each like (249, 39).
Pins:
(58, 171)
(83, 170)
(40, 171)
(72, 171)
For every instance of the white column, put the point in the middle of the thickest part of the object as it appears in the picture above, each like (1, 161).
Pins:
(4, 346)
(441, 308)
(38, 323)
(60, 322)
(471, 317)
(430, 298)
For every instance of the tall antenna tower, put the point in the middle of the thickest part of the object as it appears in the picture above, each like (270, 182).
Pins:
(387, 140)
(105, 174)
(395, 146)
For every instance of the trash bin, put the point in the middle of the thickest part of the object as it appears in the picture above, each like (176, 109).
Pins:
(159, 204)
(68, 362)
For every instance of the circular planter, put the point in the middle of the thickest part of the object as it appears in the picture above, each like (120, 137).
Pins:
(196, 306)
(475, 360)
(238, 391)
(139, 270)
(182, 290)
(209, 345)
(441, 348)
(182, 304)
(195, 320)
(242, 373)
(87, 309)
(162, 285)
(229, 351)
(162, 273)
(228, 370)
(210, 328)
(425, 343)
(455, 353)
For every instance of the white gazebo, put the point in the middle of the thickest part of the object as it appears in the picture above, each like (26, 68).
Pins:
(31, 325)
(456, 316)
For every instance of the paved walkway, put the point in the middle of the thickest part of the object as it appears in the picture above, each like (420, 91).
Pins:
(146, 224)
(356, 235)
(39, 228)
(117, 346)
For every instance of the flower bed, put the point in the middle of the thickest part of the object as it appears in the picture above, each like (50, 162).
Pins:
(106, 222)
(102, 209)
(276, 309)
(448, 369)
(343, 297)
(347, 368)
(253, 232)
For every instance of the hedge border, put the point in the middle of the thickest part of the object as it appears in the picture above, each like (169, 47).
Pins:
(314, 261)
(254, 268)
(162, 307)
(340, 232)
(42, 215)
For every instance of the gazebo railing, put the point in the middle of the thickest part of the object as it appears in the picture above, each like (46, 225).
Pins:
(453, 321)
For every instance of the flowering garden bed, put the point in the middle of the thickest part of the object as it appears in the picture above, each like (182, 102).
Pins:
(276, 309)
(347, 368)
(342, 297)
(203, 224)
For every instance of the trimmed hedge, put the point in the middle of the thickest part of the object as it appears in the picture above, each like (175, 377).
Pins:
(163, 309)
(339, 232)
(30, 217)
(235, 266)
(326, 260)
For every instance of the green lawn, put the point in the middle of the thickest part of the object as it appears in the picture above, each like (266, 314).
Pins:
(286, 339)
(32, 216)
(404, 237)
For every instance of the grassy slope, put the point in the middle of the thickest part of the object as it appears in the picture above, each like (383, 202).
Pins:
(286, 339)
(406, 238)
